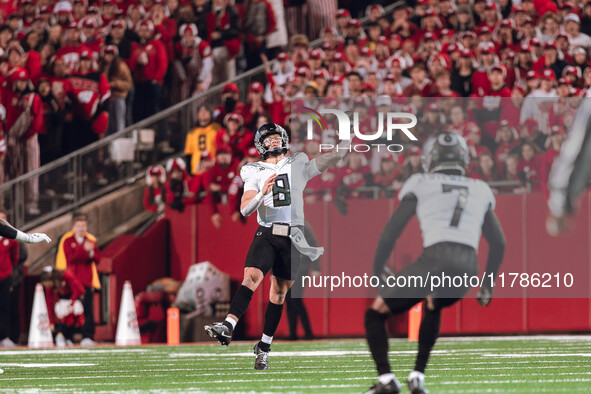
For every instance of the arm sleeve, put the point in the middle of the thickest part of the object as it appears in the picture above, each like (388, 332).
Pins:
(250, 181)
(492, 231)
(6, 230)
(406, 210)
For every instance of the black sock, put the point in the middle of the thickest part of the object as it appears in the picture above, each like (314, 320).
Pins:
(241, 301)
(225, 323)
(428, 333)
(377, 339)
(272, 318)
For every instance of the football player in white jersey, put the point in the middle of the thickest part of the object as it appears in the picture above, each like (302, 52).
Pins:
(273, 187)
(452, 211)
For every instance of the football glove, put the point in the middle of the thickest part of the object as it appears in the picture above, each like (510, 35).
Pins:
(484, 296)
(36, 238)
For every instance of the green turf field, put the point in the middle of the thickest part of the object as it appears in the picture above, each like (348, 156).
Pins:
(458, 365)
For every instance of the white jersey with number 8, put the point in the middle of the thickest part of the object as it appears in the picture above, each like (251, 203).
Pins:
(285, 204)
(450, 208)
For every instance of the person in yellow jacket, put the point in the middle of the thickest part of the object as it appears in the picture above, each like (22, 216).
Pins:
(201, 138)
(78, 251)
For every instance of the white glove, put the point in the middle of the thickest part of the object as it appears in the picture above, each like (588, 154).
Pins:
(78, 308)
(63, 308)
(37, 238)
(2, 113)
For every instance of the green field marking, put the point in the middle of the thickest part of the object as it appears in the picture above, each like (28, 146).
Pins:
(457, 365)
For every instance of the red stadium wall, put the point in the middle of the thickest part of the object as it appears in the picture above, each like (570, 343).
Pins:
(529, 249)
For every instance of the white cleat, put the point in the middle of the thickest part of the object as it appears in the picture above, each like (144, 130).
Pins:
(416, 383)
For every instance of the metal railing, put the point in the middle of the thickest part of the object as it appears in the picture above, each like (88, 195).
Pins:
(116, 160)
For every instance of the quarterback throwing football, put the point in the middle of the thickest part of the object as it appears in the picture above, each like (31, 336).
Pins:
(452, 211)
(273, 187)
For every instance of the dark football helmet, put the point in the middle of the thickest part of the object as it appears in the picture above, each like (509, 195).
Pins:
(445, 151)
(266, 130)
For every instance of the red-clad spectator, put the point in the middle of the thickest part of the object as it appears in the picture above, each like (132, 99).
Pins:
(353, 175)
(474, 139)
(197, 184)
(149, 63)
(24, 120)
(9, 253)
(93, 41)
(411, 162)
(550, 59)
(532, 168)
(420, 83)
(323, 186)
(89, 93)
(66, 310)
(507, 140)
(459, 124)
(235, 136)
(80, 253)
(193, 64)
(218, 180)
(222, 33)
(177, 186)
(389, 172)
(461, 77)
(237, 185)
(155, 192)
(555, 140)
(255, 105)
(7, 8)
(164, 28)
(230, 102)
(443, 85)
(485, 169)
(480, 81)
(497, 76)
(72, 48)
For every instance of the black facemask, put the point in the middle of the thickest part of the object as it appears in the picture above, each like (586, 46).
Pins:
(229, 104)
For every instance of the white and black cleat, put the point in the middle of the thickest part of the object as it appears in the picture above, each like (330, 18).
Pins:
(416, 383)
(392, 386)
(262, 360)
(220, 332)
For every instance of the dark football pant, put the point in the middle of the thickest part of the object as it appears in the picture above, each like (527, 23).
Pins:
(446, 258)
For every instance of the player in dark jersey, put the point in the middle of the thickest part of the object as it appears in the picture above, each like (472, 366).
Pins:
(452, 210)
(7, 231)
(570, 172)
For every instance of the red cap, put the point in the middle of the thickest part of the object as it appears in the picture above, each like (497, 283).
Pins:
(256, 87)
(19, 74)
(328, 30)
(85, 54)
(524, 48)
(230, 88)
(499, 68)
(414, 150)
(327, 46)
(487, 49)
(155, 170)
(519, 88)
(506, 123)
(535, 42)
(490, 6)
(429, 36)
(315, 54)
(252, 152)
(235, 118)
(112, 49)
(548, 73)
(222, 148)
(205, 155)
(518, 8)
(89, 23)
(467, 53)
(572, 70)
(550, 45)
(365, 51)
(175, 164)
(367, 86)
(430, 12)
(118, 23)
(562, 35)
(338, 57)
(506, 23)
(336, 80)
(390, 77)
(484, 30)
(532, 74)
(563, 81)
(343, 13)
(557, 129)
(383, 40)
(301, 72)
(283, 56)
(353, 23)
(321, 74)
(72, 25)
(434, 107)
